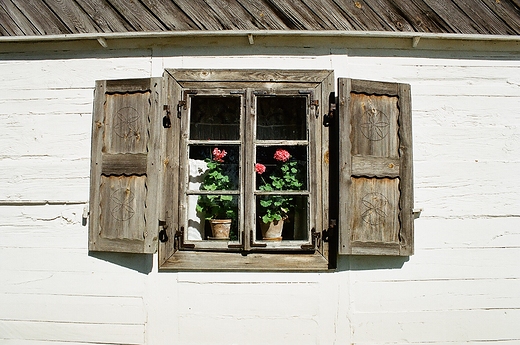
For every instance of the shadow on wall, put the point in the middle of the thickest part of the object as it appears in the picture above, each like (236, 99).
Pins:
(361, 262)
(142, 263)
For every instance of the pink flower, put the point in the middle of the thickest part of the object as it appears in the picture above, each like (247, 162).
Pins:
(282, 155)
(260, 168)
(219, 155)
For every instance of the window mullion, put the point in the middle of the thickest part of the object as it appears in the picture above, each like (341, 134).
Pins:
(248, 148)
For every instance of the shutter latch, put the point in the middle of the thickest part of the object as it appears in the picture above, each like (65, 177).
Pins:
(327, 118)
(328, 233)
(166, 121)
(163, 236)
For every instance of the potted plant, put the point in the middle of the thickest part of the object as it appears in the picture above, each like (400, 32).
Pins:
(219, 210)
(274, 209)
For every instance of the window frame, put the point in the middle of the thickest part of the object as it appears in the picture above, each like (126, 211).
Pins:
(134, 201)
(172, 256)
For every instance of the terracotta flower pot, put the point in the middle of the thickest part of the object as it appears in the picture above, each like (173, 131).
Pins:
(272, 231)
(220, 228)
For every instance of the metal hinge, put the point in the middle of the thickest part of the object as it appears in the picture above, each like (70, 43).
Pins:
(183, 103)
(315, 103)
(315, 236)
(179, 240)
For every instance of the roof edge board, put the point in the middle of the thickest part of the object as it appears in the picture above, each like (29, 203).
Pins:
(264, 33)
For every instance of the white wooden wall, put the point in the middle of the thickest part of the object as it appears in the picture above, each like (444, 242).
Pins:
(462, 286)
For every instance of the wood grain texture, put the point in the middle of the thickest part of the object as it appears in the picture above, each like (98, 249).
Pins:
(461, 283)
(44, 17)
(374, 130)
(124, 209)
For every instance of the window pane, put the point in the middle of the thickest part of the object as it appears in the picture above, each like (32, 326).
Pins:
(206, 209)
(294, 222)
(215, 118)
(214, 167)
(281, 168)
(281, 117)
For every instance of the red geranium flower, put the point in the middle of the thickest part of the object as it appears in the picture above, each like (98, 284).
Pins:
(219, 155)
(282, 155)
(260, 168)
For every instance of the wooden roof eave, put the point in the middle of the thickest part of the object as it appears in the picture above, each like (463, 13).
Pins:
(250, 36)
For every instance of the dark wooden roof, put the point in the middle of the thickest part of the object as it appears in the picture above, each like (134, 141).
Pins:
(54, 17)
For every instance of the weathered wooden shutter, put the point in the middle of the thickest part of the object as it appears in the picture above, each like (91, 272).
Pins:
(375, 161)
(124, 169)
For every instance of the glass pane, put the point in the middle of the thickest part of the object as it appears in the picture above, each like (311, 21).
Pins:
(281, 168)
(222, 210)
(215, 118)
(213, 167)
(281, 117)
(271, 218)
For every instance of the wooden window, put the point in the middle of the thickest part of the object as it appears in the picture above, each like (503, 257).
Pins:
(251, 150)
(248, 148)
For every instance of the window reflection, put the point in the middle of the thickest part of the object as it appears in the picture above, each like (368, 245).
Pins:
(281, 117)
(215, 118)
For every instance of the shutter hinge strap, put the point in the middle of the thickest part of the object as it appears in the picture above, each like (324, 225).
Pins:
(183, 103)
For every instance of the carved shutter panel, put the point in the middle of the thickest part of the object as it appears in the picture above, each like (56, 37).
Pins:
(375, 160)
(124, 172)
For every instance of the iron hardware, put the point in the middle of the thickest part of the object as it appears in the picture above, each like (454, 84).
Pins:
(315, 244)
(327, 118)
(163, 236)
(167, 123)
(179, 237)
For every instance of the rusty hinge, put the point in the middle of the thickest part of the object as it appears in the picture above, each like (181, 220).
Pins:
(315, 103)
(183, 103)
(315, 236)
(179, 240)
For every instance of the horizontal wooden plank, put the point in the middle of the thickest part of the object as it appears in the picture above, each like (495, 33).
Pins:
(101, 279)
(469, 326)
(371, 87)
(203, 261)
(128, 85)
(72, 332)
(209, 75)
(435, 295)
(297, 329)
(74, 309)
(459, 189)
(44, 178)
(375, 166)
(446, 263)
(124, 164)
(63, 71)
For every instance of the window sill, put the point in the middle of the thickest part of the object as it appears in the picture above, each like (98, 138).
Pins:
(205, 261)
